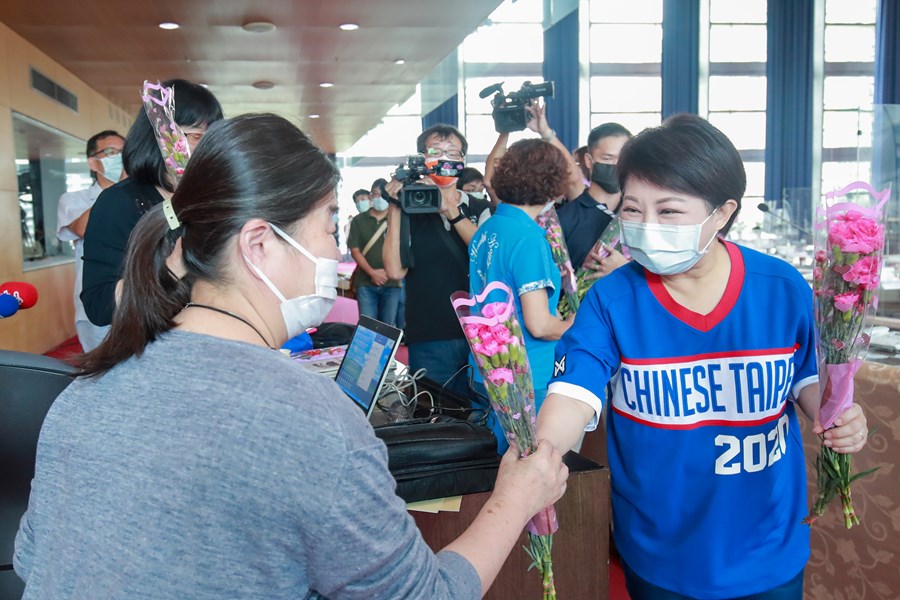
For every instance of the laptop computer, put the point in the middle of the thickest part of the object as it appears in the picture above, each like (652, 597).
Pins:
(367, 362)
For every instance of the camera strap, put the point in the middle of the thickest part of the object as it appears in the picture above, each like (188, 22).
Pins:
(374, 237)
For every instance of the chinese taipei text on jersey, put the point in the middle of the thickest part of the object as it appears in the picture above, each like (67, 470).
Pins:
(707, 466)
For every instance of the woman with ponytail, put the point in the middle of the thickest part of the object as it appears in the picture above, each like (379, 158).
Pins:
(192, 460)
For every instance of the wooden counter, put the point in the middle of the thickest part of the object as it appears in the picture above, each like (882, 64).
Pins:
(580, 547)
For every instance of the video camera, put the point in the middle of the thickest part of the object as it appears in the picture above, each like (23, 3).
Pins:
(417, 198)
(509, 110)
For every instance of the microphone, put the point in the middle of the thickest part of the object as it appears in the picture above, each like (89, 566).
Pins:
(765, 208)
(491, 89)
(8, 306)
(25, 293)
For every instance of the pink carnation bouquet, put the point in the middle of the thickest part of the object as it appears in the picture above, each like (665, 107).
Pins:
(495, 336)
(849, 246)
(610, 238)
(549, 221)
(159, 105)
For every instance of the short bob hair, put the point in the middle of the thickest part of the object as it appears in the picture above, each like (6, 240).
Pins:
(194, 106)
(531, 172)
(688, 155)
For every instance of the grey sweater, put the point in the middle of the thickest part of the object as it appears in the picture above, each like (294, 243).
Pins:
(215, 469)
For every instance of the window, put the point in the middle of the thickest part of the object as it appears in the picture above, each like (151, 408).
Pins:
(625, 50)
(49, 163)
(509, 49)
(848, 91)
(736, 94)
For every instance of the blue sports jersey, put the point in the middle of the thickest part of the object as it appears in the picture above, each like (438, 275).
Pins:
(706, 459)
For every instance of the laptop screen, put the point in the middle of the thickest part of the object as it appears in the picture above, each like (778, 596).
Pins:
(367, 361)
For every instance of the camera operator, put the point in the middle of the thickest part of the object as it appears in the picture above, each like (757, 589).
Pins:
(591, 209)
(434, 260)
(536, 121)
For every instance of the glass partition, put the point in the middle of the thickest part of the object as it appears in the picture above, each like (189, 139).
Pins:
(885, 160)
(48, 164)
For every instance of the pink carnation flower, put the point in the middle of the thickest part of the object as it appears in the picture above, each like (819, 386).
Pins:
(864, 272)
(858, 234)
(844, 302)
(490, 348)
(500, 376)
(501, 334)
(493, 309)
(820, 256)
(472, 331)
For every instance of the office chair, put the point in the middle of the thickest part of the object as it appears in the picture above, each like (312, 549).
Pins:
(29, 383)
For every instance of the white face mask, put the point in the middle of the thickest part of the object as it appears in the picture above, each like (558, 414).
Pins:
(665, 249)
(478, 195)
(112, 167)
(379, 203)
(303, 312)
(363, 205)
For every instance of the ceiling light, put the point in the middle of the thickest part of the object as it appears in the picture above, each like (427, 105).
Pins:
(259, 27)
(169, 25)
(263, 85)
(399, 61)
(326, 84)
(349, 26)
(313, 116)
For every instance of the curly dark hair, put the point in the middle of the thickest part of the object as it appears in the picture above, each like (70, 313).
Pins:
(531, 172)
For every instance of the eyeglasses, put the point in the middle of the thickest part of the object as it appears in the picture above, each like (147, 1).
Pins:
(107, 152)
(452, 153)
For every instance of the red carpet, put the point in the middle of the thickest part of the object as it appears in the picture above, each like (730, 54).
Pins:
(66, 350)
(617, 589)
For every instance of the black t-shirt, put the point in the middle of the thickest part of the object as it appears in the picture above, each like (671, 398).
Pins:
(582, 220)
(113, 216)
(439, 267)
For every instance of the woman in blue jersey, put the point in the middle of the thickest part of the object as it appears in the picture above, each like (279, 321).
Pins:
(512, 248)
(711, 350)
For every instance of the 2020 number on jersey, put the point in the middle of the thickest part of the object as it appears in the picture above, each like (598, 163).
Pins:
(754, 452)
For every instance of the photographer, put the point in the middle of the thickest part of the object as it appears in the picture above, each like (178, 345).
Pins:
(432, 256)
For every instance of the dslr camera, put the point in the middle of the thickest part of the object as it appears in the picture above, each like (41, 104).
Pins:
(509, 109)
(418, 198)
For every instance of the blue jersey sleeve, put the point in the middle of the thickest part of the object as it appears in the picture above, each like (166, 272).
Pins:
(587, 355)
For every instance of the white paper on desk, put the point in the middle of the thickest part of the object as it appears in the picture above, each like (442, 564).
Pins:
(437, 505)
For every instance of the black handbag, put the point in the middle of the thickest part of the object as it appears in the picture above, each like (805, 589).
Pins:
(440, 456)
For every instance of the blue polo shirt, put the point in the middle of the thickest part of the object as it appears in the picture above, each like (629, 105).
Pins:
(582, 220)
(512, 248)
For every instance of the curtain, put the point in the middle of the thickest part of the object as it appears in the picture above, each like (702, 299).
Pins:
(680, 56)
(561, 67)
(789, 101)
(446, 113)
(887, 52)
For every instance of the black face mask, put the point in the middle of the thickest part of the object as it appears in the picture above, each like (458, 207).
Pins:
(606, 177)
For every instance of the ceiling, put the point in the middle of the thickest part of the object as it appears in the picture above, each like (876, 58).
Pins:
(113, 46)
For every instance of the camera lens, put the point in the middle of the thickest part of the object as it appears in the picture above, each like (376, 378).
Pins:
(418, 197)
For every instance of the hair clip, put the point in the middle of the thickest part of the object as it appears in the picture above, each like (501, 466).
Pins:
(169, 211)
